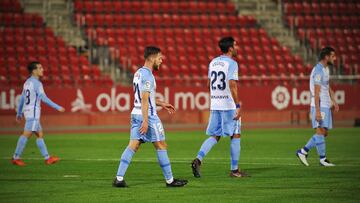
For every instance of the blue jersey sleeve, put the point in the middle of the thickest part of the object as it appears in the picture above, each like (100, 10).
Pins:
(45, 99)
(233, 71)
(21, 104)
(147, 82)
(318, 76)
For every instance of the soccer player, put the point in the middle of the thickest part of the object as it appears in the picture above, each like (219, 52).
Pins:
(145, 123)
(29, 105)
(322, 99)
(224, 118)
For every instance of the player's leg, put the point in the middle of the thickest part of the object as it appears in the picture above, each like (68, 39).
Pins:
(235, 149)
(20, 146)
(164, 162)
(232, 128)
(134, 144)
(321, 146)
(303, 152)
(125, 162)
(214, 128)
(322, 132)
(204, 150)
(40, 142)
(157, 135)
(206, 146)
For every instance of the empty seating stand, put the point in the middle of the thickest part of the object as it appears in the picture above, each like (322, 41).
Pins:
(187, 32)
(24, 38)
(334, 23)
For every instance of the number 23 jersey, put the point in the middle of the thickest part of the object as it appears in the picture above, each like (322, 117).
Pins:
(221, 70)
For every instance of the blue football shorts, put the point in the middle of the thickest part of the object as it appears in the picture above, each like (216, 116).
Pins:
(33, 125)
(155, 131)
(222, 123)
(326, 116)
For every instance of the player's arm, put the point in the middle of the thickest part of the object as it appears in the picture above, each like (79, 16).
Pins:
(170, 108)
(233, 78)
(234, 94)
(145, 111)
(317, 102)
(332, 96)
(48, 101)
(209, 78)
(20, 107)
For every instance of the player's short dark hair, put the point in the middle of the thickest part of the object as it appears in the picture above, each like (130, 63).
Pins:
(32, 66)
(226, 43)
(151, 50)
(326, 51)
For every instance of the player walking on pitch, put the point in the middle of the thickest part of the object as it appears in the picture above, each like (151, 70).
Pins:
(322, 99)
(145, 123)
(225, 117)
(30, 105)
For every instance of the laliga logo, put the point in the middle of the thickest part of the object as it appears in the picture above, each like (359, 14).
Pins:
(280, 97)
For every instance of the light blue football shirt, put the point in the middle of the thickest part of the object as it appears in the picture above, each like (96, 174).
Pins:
(320, 76)
(222, 69)
(144, 81)
(30, 101)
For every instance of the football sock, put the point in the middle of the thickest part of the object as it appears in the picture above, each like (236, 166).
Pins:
(235, 152)
(165, 165)
(205, 147)
(310, 144)
(20, 146)
(320, 145)
(41, 145)
(125, 161)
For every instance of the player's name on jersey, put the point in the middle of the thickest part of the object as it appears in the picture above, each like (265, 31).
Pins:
(220, 97)
(218, 63)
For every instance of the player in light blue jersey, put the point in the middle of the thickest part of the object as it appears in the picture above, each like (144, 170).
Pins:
(225, 120)
(322, 100)
(145, 123)
(30, 105)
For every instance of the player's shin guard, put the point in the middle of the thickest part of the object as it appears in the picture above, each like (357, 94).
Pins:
(320, 145)
(42, 147)
(235, 153)
(310, 144)
(20, 146)
(206, 147)
(125, 161)
(164, 163)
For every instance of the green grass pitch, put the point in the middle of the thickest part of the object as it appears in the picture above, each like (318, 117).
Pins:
(89, 164)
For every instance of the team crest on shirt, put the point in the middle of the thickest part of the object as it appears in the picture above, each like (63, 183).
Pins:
(318, 78)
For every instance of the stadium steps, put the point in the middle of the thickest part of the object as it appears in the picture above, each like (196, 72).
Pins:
(269, 15)
(56, 15)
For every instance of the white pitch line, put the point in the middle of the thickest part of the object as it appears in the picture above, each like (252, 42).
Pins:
(188, 160)
(71, 176)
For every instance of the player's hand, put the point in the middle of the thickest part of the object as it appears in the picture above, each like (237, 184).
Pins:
(336, 107)
(18, 118)
(144, 128)
(238, 114)
(62, 109)
(318, 116)
(170, 108)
